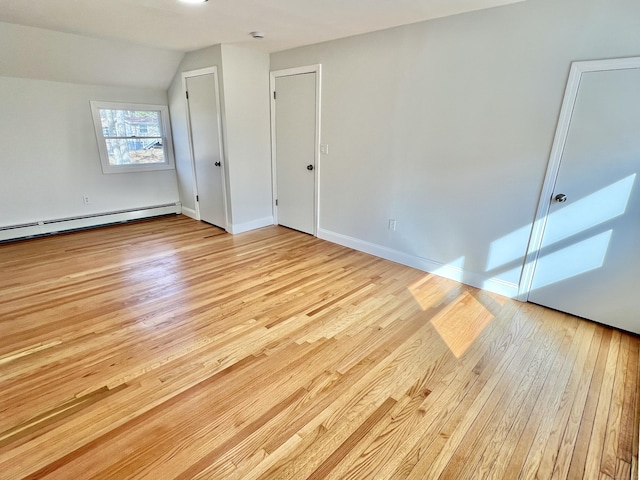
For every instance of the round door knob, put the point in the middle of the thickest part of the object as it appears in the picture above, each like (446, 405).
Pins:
(560, 198)
(309, 167)
(217, 164)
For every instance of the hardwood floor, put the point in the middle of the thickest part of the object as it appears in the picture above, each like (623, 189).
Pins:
(169, 349)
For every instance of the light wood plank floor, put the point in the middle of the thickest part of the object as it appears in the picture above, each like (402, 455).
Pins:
(169, 349)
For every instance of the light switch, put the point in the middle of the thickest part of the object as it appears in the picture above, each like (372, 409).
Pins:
(324, 149)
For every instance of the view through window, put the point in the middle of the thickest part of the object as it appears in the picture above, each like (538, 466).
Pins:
(132, 137)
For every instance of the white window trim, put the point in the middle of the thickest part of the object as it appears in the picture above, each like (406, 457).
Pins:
(167, 143)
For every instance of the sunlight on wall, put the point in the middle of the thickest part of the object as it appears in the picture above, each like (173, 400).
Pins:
(453, 269)
(462, 322)
(564, 255)
(588, 212)
(573, 260)
(508, 248)
(605, 204)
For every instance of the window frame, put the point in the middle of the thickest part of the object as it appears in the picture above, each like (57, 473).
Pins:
(165, 130)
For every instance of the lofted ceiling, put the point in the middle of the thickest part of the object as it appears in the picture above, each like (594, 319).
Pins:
(170, 24)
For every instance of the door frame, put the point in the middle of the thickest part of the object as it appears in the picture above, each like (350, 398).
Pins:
(194, 178)
(555, 159)
(317, 69)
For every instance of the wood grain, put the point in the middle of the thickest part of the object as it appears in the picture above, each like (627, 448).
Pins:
(170, 349)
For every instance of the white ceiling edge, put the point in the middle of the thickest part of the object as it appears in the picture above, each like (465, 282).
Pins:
(172, 25)
(46, 54)
(277, 46)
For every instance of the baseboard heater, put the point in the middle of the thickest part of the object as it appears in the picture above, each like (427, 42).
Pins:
(48, 227)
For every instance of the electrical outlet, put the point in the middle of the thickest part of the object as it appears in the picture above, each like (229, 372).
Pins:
(85, 200)
(392, 225)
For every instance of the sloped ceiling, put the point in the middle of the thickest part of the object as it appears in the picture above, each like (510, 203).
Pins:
(172, 25)
(36, 53)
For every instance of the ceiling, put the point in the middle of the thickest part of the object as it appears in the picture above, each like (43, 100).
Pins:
(172, 25)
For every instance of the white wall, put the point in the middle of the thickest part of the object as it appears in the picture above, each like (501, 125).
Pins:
(247, 136)
(446, 126)
(49, 157)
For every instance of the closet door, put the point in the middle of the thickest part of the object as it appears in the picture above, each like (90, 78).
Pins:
(589, 260)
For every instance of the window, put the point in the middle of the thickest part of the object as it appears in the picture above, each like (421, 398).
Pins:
(132, 137)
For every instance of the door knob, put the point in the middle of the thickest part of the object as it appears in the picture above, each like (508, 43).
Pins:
(217, 164)
(309, 167)
(560, 198)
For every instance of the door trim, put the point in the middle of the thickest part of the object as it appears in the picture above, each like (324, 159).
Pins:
(557, 150)
(196, 73)
(317, 69)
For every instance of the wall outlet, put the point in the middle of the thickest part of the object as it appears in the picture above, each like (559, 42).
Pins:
(85, 200)
(324, 149)
(392, 225)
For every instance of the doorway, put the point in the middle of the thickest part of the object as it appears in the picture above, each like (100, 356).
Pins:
(205, 141)
(295, 134)
(584, 246)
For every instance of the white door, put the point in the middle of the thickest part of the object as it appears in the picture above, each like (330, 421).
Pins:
(295, 151)
(204, 121)
(589, 259)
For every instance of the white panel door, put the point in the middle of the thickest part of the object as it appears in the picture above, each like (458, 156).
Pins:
(295, 135)
(589, 261)
(207, 151)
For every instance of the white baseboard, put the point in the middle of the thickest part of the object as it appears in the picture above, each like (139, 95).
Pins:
(44, 227)
(235, 228)
(452, 272)
(190, 212)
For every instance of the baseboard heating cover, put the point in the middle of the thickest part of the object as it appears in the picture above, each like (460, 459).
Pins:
(46, 227)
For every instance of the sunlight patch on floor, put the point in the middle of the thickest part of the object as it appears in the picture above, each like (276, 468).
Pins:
(431, 290)
(461, 323)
